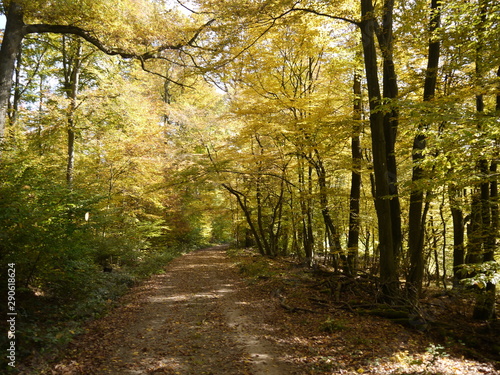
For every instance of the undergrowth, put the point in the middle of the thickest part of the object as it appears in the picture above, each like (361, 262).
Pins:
(49, 319)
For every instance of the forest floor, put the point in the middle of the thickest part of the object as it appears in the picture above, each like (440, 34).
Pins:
(210, 313)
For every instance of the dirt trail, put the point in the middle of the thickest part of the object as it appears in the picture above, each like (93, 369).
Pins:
(196, 318)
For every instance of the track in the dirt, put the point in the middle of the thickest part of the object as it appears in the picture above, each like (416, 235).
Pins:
(196, 318)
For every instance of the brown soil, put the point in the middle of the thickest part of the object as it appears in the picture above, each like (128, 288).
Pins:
(203, 317)
(197, 318)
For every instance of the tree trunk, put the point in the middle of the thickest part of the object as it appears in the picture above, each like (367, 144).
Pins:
(72, 63)
(416, 220)
(485, 307)
(458, 234)
(11, 47)
(390, 119)
(246, 211)
(13, 107)
(330, 229)
(355, 193)
(485, 236)
(445, 243)
(307, 234)
(388, 252)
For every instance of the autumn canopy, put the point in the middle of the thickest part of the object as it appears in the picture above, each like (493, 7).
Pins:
(363, 135)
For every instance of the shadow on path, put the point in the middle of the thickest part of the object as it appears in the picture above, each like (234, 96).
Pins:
(193, 319)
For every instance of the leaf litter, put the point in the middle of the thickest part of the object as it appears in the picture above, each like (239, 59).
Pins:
(207, 314)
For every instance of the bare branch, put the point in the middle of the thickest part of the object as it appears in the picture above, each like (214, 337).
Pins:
(185, 7)
(307, 10)
(143, 66)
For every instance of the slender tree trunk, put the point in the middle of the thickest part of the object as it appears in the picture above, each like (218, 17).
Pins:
(445, 243)
(416, 221)
(307, 234)
(458, 234)
(13, 107)
(497, 107)
(486, 309)
(330, 228)
(355, 193)
(240, 197)
(15, 31)
(72, 63)
(388, 252)
(260, 224)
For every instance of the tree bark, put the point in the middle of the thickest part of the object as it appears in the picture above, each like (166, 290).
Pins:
(11, 47)
(13, 107)
(355, 192)
(246, 211)
(330, 228)
(458, 234)
(388, 264)
(72, 62)
(305, 183)
(484, 236)
(391, 118)
(416, 219)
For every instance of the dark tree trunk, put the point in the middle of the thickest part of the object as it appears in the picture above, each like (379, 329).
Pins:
(485, 307)
(240, 197)
(355, 193)
(388, 251)
(497, 107)
(458, 234)
(416, 222)
(391, 119)
(485, 235)
(330, 228)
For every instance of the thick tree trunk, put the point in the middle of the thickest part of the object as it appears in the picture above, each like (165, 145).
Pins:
(388, 252)
(11, 47)
(485, 307)
(485, 235)
(416, 222)
(391, 119)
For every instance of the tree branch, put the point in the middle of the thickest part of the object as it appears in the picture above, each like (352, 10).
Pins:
(75, 30)
(87, 35)
(307, 10)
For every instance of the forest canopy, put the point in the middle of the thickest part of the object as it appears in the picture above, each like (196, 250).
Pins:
(363, 135)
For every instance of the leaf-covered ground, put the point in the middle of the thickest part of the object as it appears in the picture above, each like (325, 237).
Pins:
(209, 313)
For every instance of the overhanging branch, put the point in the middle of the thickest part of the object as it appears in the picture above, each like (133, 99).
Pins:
(89, 37)
(318, 13)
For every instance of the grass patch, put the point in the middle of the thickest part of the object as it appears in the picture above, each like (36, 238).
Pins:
(331, 325)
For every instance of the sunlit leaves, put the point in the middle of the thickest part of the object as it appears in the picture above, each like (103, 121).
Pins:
(480, 274)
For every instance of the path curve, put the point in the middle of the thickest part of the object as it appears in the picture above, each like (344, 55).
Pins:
(196, 318)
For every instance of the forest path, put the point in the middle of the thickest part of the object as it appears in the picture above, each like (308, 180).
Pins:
(199, 317)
